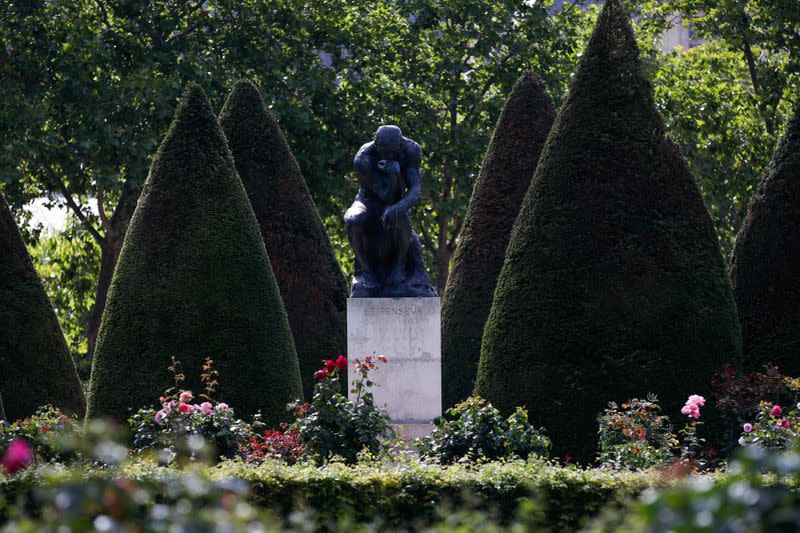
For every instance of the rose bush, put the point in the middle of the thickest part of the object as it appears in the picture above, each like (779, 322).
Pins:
(332, 425)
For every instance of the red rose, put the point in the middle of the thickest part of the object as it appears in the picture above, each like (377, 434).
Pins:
(341, 362)
(320, 375)
(330, 365)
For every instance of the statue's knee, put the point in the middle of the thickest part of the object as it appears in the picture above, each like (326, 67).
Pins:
(354, 218)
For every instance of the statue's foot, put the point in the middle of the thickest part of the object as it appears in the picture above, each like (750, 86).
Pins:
(369, 281)
(396, 276)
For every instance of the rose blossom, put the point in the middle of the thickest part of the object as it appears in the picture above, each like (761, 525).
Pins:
(160, 416)
(786, 424)
(320, 375)
(341, 362)
(19, 456)
(206, 407)
(184, 407)
(222, 407)
(691, 410)
(748, 427)
(742, 442)
(185, 396)
(696, 400)
(776, 411)
(330, 365)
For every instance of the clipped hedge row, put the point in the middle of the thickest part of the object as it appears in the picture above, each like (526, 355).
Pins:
(408, 495)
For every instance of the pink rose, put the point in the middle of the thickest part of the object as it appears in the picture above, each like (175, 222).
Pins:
(206, 407)
(184, 407)
(186, 396)
(222, 407)
(696, 400)
(19, 456)
(776, 411)
(786, 424)
(691, 410)
(748, 427)
(168, 406)
(160, 416)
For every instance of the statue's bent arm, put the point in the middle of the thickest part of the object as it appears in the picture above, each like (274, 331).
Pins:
(413, 176)
(366, 171)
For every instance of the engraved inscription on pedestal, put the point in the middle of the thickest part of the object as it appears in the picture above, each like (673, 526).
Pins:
(407, 331)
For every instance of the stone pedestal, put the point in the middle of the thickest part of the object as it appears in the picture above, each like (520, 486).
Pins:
(407, 331)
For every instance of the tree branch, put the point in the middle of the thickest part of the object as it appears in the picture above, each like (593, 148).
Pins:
(451, 244)
(101, 211)
(426, 238)
(72, 204)
(752, 68)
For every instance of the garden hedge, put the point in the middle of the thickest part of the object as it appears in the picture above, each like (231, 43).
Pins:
(613, 284)
(36, 367)
(501, 185)
(765, 264)
(408, 496)
(193, 281)
(311, 283)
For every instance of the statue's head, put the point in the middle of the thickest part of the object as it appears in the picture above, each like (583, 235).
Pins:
(388, 142)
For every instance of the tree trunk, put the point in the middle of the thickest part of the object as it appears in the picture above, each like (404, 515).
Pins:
(110, 248)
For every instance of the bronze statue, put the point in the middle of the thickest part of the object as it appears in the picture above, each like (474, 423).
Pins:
(388, 252)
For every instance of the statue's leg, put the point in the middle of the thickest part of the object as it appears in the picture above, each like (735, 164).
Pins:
(401, 237)
(357, 220)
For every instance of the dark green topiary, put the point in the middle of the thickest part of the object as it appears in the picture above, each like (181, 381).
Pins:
(311, 283)
(613, 284)
(193, 281)
(765, 265)
(504, 178)
(36, 367)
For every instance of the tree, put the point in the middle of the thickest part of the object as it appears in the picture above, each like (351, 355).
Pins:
(765, 265)
(311, 283)
(735, 89)
(87, 85)
(35, 365)
(613, 284)
(193, 281)
(441, 69)
(501, 185)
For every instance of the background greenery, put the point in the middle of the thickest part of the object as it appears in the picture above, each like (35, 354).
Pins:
(89, 87)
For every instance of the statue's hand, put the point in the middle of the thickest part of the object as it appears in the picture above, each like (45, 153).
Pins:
(391, 216)
(389, 166)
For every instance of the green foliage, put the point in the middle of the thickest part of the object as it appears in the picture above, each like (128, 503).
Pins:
(185, 421)
(35, 364)
(744, 500)
(635, 435)
(473, 431)
(68, 263)
(774, 427)
(39, 430)
(501, 185)
(333, 426)
(765, 265)
(311, 283)
(613, 284)
(193, 281)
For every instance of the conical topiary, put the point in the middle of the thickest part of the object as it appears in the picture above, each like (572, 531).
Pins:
(504, 178)
(765, 264)
(311, 283)
(36, 367)
(613, 284)
(193, 281)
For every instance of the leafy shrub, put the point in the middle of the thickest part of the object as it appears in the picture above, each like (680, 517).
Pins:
(38, 430)
(179, 419)
(635, 435)
(743, 500)
(774, 427)
(332, 425)
(738, 395)
(281, 444)
(474, 430)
